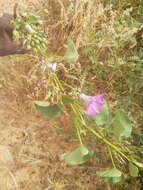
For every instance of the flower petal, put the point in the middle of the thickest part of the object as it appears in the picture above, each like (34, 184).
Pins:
(99, 98)
(94, 103)
(93, 109)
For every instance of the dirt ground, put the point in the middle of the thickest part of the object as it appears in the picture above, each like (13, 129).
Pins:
(31, 146)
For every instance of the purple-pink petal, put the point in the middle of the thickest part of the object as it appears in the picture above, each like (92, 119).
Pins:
(98, 98)
(94, 103)
(92, 109)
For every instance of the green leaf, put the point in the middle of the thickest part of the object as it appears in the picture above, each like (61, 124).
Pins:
(42, 103)
(103, 117)
(84, 151)
(71, 55)
(46, 110)
(79, 156)
(122, 125)
(134, 171)
(112, 180)
(140, 165)
(111, 176)
(110, 173)
(67, 99)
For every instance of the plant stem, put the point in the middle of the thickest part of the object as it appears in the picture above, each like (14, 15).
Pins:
(58, 82)
(78, 128)
(107, 142)
(79, 136)
(111, 156)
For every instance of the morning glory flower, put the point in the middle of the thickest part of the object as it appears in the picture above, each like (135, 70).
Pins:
(94, 103)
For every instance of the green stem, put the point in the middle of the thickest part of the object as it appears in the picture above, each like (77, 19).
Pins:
(77, 111)
(135, 148)
(107, 142)
(111, 156)
(79, 136)
(77, 119)
(58, 82)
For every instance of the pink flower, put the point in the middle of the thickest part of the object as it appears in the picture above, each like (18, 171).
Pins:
(94, 103)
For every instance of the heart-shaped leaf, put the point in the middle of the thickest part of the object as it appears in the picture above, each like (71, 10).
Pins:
(122, 125)
(103, 117)
(50, 112)
(71, 55)
(134, 171)
(79, 156)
